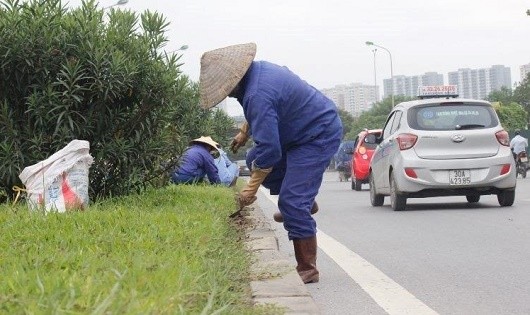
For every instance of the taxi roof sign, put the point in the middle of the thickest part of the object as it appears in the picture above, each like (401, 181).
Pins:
(432, 91)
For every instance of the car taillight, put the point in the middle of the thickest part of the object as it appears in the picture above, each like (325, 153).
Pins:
(503, 137)
(362, 150)
(406, 141)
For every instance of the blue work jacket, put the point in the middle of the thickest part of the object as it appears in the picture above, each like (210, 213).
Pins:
(282, 110)
(197, 162)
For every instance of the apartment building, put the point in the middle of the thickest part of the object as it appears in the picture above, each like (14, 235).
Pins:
(525, 70)
(354, 98)
(408, 85)
(479, 83)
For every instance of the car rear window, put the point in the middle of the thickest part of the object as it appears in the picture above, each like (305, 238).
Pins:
(452, 116)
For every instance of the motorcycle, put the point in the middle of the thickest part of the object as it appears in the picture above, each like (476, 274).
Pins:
(344, 170)
(521, 164)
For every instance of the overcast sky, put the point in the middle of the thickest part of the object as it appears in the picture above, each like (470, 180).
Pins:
(323, 41)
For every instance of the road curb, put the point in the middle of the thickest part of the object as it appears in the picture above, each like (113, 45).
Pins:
(276, 280)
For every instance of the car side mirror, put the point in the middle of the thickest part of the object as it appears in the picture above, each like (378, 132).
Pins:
(371, 139)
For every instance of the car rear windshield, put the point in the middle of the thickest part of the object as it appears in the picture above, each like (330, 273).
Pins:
(453, 116)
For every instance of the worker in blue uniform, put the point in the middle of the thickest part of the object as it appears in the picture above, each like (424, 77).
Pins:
(197, 163)
(296, 131)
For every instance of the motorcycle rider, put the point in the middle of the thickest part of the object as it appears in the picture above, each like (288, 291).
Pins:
(518, 144)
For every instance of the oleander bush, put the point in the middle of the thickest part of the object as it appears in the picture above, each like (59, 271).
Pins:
(97, 75)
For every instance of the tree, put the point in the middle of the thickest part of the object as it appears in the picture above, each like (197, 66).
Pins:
(374, 118)
(347, 121)
(504, 95)
(521, 93)
(512, 106)
(220, 127)
(512, 115)
(95, 75)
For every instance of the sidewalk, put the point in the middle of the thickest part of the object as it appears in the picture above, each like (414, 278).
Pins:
(277, 281)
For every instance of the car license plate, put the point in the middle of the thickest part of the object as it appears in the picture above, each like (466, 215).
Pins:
(524, 159)
(459, 177)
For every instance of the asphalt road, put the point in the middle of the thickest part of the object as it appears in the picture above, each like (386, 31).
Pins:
(440, 256)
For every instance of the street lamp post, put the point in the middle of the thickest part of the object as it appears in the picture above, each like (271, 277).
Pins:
(391, 69)
(120, 2)
(375, 76)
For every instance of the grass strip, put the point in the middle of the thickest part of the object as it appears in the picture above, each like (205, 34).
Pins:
(166, 251)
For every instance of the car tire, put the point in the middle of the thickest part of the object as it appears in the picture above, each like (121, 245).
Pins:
(506, 197)
(376, 199)
(358, 185)
(355, 184)
(397, 200)
(473, 198)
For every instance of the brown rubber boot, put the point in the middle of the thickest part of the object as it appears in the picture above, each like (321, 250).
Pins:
(305, 252)
(277, 216)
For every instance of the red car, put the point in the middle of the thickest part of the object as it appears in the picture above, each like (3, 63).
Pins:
(361, 157)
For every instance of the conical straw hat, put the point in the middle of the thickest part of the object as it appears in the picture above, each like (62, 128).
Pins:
(221, 71)
(208, 140)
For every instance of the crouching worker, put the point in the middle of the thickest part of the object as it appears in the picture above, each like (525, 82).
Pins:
(296, 131)
(197, 162)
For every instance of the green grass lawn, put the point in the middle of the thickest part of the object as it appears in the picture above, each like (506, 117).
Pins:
(167, 251)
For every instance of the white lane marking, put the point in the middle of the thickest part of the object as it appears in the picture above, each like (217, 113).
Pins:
(392, 297)
(389, 295)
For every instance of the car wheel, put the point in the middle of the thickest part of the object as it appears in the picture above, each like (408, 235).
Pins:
(358, 185)
(376, 199)
(473, 198)
(506, 197)
(397, 200)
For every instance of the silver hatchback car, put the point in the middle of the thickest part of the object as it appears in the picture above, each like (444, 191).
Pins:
(442, 147)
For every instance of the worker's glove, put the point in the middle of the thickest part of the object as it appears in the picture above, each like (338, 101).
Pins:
(244, 200)
(240, 139)
(248, 194)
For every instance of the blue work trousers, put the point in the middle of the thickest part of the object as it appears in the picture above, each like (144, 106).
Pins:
(296, 180)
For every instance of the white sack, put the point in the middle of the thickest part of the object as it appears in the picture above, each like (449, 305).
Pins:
(60, 182)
